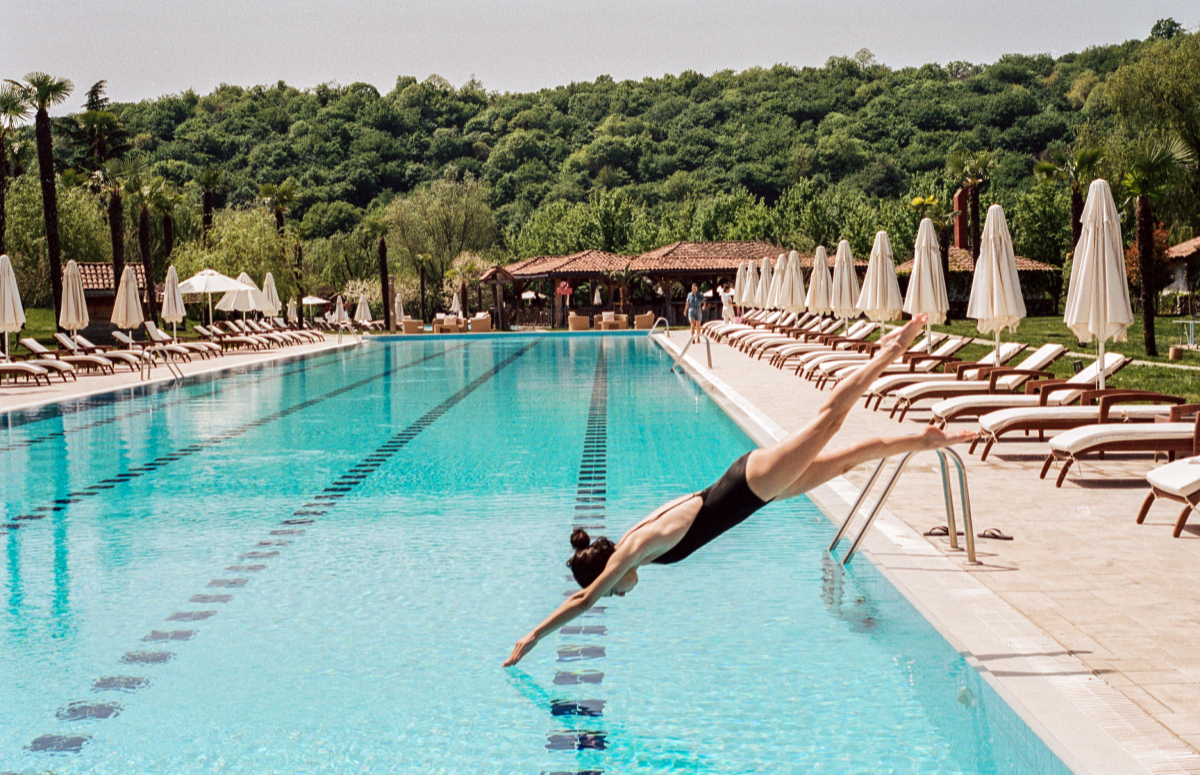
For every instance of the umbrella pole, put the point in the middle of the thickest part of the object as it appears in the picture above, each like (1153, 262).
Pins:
(996, 357)
(1100, 366)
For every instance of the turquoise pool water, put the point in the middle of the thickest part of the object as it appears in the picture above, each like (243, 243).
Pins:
(318, 566)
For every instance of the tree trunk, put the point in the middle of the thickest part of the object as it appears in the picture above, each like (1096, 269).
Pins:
(946, 234)
(299, 253)
(147, 261)
(1145, 245)
(279, 219)
(383, 284)
(3, 195)
(421, 272)
(116, 233)
(975, 233)
(1076, 217)
(206, 215)
(168, 226)
(45, 154)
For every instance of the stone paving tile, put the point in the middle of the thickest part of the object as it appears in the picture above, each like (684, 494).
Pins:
(1117, 593)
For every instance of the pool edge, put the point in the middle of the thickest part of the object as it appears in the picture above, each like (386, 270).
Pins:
(1089, 725)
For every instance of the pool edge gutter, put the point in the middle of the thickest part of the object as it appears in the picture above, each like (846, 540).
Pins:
(1088, 724)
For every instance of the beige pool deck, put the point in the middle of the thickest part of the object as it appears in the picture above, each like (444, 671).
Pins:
(1086, 622)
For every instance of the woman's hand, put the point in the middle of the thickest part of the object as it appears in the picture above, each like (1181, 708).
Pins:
(523, 647)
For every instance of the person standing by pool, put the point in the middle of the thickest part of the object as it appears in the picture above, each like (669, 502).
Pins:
(793, 466)
(695, 311)
(727, 311)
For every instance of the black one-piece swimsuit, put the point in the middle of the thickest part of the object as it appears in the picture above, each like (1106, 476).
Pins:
(726, 503)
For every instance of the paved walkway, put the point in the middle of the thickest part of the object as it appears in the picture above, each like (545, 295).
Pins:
(22, 394)
(1115, 595)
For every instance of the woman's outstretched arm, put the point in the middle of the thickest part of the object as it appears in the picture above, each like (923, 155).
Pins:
(624, 559)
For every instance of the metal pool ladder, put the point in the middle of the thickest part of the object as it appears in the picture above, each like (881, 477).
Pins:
(951, 529)
(683, 352)
(666, 327)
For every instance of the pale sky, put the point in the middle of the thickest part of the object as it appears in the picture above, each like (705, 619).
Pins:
(147, 49)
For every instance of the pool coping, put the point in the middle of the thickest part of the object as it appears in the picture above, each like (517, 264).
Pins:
(1088, 724)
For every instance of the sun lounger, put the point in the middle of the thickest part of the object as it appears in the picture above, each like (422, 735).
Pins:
(785, 351)
(26, 370)
(312, 336)
(910, 363)
(954, 371)
(253, 327)
(244, 328)
(751, 337)
(86, 362)
(134, 362)
(1178, 481)
(229, 340)
(856, 353)
(771, 341)
(988, 380)
(183, 349)
(1175, 437)
(1095, 407)
(1065, 392)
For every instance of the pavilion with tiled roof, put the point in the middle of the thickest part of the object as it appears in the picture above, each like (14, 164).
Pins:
(1038, 281)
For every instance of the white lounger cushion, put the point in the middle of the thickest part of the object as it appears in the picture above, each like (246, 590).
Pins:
(1181, 478)
(998, 422)
(1085, 379)
(1081, 440)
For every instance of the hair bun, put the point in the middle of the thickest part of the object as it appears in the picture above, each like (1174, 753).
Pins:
(580, 539)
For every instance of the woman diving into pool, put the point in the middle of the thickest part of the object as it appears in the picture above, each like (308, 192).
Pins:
(795, 465)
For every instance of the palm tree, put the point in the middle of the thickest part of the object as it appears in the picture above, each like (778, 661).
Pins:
(142, 192)
(1150, 173)
(164, 204)
(109, 180)
(209, 180)
(13, 111)
(622, 279)
(41, 91)
(279, 199)
(973, 171)
(98, 131)
(377, 228)
(1077, 168)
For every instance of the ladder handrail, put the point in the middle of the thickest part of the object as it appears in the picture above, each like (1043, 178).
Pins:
(951, 527)
(654, 328)
(691, 341)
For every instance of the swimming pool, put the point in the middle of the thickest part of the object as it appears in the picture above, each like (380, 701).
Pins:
(318, 566)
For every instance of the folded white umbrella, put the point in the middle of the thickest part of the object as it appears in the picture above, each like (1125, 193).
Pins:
(739, 282)
(819, 298)
(1098, 298)
(845, 284)
(791, 293)
(363, 313)
(208, 282)
(996, 301)
(596, 300)
(127, 308)
(762, 290)
(339, 312)
(12, 314)
(292, 316)
(880, 296)
(926, 285)
(173, 310)
(751, 289)
(270, 297)
(74, 313)
(456, 305)
(399, 307)
(246, 299)
(777, 282)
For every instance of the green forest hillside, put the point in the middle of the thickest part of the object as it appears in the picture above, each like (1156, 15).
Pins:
(313, 183)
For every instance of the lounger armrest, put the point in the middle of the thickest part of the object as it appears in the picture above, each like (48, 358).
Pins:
(916, 358)
(1108, 398)
(863, 347)
(1183, 411)
(996, 372)
(1046, 387)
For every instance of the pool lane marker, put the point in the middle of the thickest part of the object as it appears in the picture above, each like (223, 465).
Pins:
(73, 744)
(61, 504)
(591, 497)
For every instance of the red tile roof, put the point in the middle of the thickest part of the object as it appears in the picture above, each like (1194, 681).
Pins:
(696, 257)
(961, 261)
(99, 276)
(583, 264)
(1184, 250)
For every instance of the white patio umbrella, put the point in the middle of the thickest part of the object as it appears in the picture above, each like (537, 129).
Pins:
(173, 310)
(762, 290)
(791, 292)
(751, 288)
(1098, 298)
(880, 297)
(531, 295)
(996, 301)
(292, 315)
(596, 300)
(248, 298)
(845, 284)
(314, 301)
(12, 314)
(339, 312)
(208, 282)
(399, 306)
(127, 308)
(819, 298)
(74, 313)
(270, 297)
(926, 285)
(363, 312)
(777, 282)
(456, 305)
(739, 283)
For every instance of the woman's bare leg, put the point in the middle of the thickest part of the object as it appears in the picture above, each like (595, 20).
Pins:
(771, 471)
